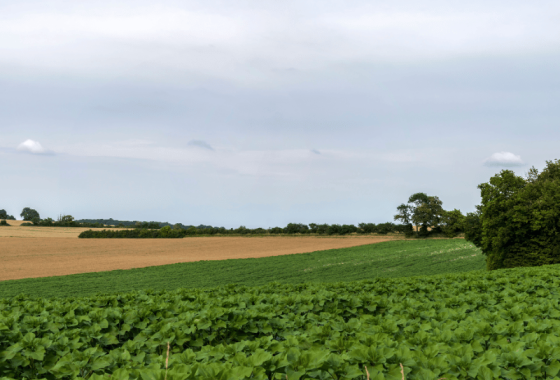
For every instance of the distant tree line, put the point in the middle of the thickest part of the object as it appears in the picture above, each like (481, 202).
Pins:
(423, 212)
(137, 224)
(290, 229)
(61, 221)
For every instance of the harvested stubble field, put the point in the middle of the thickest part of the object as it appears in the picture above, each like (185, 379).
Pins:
(46, 253)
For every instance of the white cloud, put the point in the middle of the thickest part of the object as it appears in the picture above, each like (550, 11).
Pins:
(33, 147)
(504, 159)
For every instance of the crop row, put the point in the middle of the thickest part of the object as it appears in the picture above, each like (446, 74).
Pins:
(503, 324)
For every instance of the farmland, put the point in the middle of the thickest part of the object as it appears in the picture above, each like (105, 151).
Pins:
(484, 325)
(41, 257)
(386, 259)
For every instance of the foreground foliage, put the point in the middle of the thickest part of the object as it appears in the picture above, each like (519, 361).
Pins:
(501, 324)
(390, 259)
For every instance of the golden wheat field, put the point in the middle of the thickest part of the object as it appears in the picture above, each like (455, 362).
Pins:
(28, 251)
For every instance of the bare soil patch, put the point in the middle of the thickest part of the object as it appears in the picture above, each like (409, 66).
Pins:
(26, 257)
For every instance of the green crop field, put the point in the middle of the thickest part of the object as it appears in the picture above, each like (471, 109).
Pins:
(389, 259)
(503, 324)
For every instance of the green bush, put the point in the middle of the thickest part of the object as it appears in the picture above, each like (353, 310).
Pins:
(3, 223)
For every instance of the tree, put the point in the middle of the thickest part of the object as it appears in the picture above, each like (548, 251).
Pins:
(65, 219)
(165, 231)
(385, 228)
(519, 218)
(423, 211)
(404, 214)
(3, 214)
(47, 222)
(367, 228)
(334, 229)
(452, 223)
(296, 228)
(472, 226)
(428, 214)
(28, 214)
(348, 229)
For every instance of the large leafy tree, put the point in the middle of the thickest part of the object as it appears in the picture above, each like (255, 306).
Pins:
(520, 218)
(422, 210)
(28, 214)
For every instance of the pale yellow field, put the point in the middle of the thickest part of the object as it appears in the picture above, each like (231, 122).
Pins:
(27, 251)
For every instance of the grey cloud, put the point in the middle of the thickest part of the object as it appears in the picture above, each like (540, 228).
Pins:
(200, 144)
(315, 151)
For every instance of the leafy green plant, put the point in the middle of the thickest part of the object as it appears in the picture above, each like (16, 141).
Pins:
(500, 324)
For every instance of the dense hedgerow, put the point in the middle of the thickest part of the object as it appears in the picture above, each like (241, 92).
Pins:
(165, 232)
(495, 325)
(291, 229)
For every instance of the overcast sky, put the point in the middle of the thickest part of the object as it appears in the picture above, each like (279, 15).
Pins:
(261, 113)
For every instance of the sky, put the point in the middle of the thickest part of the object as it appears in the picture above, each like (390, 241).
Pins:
(263, 113)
